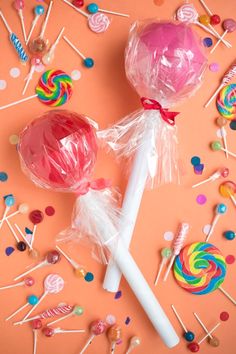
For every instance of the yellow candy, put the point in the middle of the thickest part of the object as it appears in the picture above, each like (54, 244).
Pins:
(204, 20)
(80, 272)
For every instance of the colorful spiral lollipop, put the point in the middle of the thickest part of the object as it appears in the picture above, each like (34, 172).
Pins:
(200, 268)
(226, 102)
(54, 88)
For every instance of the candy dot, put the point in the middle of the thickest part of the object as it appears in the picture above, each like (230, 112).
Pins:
(232, 124)
(36, 216)
(224, 316)
(88, 63)
(49, 211)
(23, 208)
(3, 84)
(118, 294)
(80, 272)
(89, 277)
(230, 259)
(201, 199)
(168, 235)
(110, 319)
(207, 42)
(127, 320)
(9, 201)
(215, 20)
(195, 160)
(214, 67)
(9, 250)
(221, 208)
(3, 176)
(206, 229)
(189, 336)
(193, 347)
(214, 342)
(75, 75)
(36, 324)
(14, 139)
(14, 72)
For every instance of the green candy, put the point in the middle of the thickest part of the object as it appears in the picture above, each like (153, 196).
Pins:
(216, 146)
(78, 310)
(166, 252)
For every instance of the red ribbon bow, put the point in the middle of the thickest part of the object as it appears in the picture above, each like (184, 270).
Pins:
(97, 184)
(168, 117)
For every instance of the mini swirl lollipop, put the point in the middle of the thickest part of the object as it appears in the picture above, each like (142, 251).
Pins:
(165, 254)
(97, 328)
(63, 159)
(79, 270)
(28, 281)
(227, 190)
(50, 313)
(134, 342)
(194, 347)
(215, 19)
(97, 22)
(38, 12)
(77, 311)
(15, 41)
(50, 332)
(19, 6)
(228, 76)
(178, 244)
(217, 146)
(220, 209)
(221, 173)
(114, 335)
(53, 284)
(221, 123)
(52, 257)
(9, 201)
(31, 300)
(36, 325)
(226, 102)
(213, 341)
(200, 268)
(88, 62)
(54, 89)
(93, 9)
(188, 335)
(229, 26)
(49, 56)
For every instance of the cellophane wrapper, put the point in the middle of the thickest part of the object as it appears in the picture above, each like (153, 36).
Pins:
(164, 61)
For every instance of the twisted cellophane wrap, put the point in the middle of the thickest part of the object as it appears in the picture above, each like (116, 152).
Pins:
(165, 62)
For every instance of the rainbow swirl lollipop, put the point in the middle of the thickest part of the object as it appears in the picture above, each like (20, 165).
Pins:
(226, 102)
(54, 88)
(200, 268)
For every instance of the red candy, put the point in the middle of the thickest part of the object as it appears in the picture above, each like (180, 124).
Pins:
(78, 3)
(49, 211)
(98, 327)
(215, 20)
(225, 172)
(48, 331)
(224, 316)
(53, 257)
(36, 216)
(36, 324)
(193, 347)
(29, 281)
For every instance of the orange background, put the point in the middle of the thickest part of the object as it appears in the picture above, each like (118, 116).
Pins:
(104, 94)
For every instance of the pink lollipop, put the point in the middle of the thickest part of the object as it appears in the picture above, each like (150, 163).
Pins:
(28, 281)
(229, 26)
(222, 172)
(96, 328)
(97, 22)
(53, 284)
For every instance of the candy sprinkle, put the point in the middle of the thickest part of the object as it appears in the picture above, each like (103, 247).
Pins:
(118, 295)
(3, 176)
(9, 250)
(127, 320)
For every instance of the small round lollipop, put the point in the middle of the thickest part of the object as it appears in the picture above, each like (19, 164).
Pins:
(31, 300)
(28, 281)
(194, 347)
(188, 335)
(221, 173)
(9, 201)
(93, 9)
(52, 257)
(22, 209)
(77, 311)
(226, 102)
(36, 325)
(53, 284)
(36, 217)
(165, 254)
(50, 332)
(229, 235)
(227, 190)
(49, 56)
(88, 62)
(221, 122)
(114, 335)
(96, 328)
(219, 210)
(205, 20)
(216, 146)
(215, 19)
(19, 6)
(229, 26)
(213, 341)
(20, 245)
(33, 253)
(133, 343)
(38, 11)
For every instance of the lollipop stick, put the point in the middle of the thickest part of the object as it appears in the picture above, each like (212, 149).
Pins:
(214, 95)
(35, 340)
(209, 333)
(17, 102)
(229, 152)
(23, 236)
(179, 319)
(216, 218)
(22, 24)
(60, 319)
(233, 199)
(35, 306)
(202, 182)
(202, 324)
(13, 231)
(206, 7)
(74, 47)
(227, 295)
(70, 331)
(4, 216)
(17, 311)
(113, 347)
(169, 267)
(163, 262)
(89, 341)
(46, 20)
(76, 8)
(223, 135)
(5, 22)
(40, 265)
(113, 13)
(73, 263)
(12, 286)
(33, 234)
(218, 42)
(28, 79)
(34, 23)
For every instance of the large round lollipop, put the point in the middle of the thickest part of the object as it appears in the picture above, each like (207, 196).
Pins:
(58, 151)
(165, 63)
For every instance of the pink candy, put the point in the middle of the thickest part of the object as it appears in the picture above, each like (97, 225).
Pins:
(98, 327)
(19, 4)
(229, 25)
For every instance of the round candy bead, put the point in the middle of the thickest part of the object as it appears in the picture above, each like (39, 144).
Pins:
(78, 3)
(50, 211)
(14, 139)
(216, 146)
(207, 42)
(224, 172)
(36, 216)
(229, 235)
(80, 272)
(92, 8)
(29, 281)
(166, 252)
(215, 20)
(221, 121)
(221, 208)
(39, 10)
(32, 299)
(89, 277)
(193, 347)
(48, 331)
(9, 201)
(214, 67)
(88, 62)
(21, 246)
(204, 20)
(53, 257)
(98, 327)
(189, 336)
(195, 160)
(36, 324)
(214, 342)
(78, 310)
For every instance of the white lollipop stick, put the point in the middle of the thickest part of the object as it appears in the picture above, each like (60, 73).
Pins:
(214, 95)
(227, 295)
(74, 47)
(22, 209)
(218, 42)
(60, 319)
(179, 319)
(223, 134)
(29, 78)
(40, 265)
(212, 178)
(4, 216)
(202, 324)
(34, 23)
(12, 231)
(49, 56)
(178, 244)
(20, 12)
(59, 330)
(209, 333)
(26, 282)
(35, 333)
(214, 33)
(111, 12)
(70, 260)
(165, 254)
(76, 8)
(89, 341)
(33, 234)
(206, 7)
(220, 38)
(17, 311)
(213, 225)
(23, 236)
(17, 102)
(46, 20)
(113, 348)
(229, 152)
(233, 199)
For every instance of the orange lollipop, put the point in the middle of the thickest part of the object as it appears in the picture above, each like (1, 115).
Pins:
(227, 190)
(114, 335)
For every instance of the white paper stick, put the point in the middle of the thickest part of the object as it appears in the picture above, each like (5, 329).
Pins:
(17, 311)
(233, 199)
(211, 331)
(212, 228)
(202, 324)
(58, 330)
(5, 22)
(113, 13)
(89, 341)
(20, 12)
(12, 230)
(12, 285)
(33, 234)
(17, 102)
(163, 262)
(34, 23)
(40, 265)
(206, 7)
(4, 215)
(60, 319)
(214, 95)
(46, 20)
(74, 47)
(218, 36)
(179, 319)
(71, 261)
(229, 152)
(202, 182)
(113, 347)
(218, 42)
(35, 334)
(76, 8)
(227, 295)
(28, 79)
